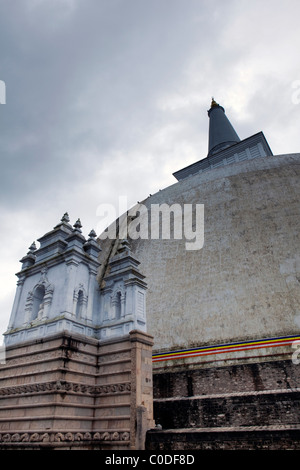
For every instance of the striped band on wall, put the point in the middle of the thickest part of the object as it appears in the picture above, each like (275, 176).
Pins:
(225, 348)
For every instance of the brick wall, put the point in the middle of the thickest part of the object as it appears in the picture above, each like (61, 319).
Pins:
(253, 409)
(240, 378)
(249, 406)
(237, 439)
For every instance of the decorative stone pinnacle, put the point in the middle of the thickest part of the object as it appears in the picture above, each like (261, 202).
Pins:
(32, 247)
(65, 217)
(92, 234)
(91, 246)
(29, 259)
(77, 226)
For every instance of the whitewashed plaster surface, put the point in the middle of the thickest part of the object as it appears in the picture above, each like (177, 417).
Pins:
(245, 281)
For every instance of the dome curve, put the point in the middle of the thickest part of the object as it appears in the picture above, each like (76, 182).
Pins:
(244, 282)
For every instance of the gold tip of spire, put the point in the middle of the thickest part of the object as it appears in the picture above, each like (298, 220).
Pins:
(213, 102)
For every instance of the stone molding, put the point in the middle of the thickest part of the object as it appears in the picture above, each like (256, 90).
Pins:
(72, 391)
(64, 386)
(53, 437)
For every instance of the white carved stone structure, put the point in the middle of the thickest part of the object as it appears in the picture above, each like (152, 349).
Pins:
(58, 289)
(78, 369)
(123, 297)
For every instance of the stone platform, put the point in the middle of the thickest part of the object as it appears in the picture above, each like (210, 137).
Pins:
(242, 407)
(70, 392)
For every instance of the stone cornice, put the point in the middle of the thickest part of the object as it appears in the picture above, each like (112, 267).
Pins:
(63, 386)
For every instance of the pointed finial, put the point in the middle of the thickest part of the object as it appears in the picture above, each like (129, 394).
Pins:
(77, 226)
(29, 259)
(213, 102)
(32, 247)
(65, 217)
(91, 246)
(92, 234)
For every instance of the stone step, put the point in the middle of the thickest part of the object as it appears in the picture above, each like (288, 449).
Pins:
(276, 437)
(230, 394)
(231, 379)
(271, 407)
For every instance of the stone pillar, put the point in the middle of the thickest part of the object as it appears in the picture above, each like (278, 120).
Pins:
(69, 295)
(16, 302)
(141, 388)
(92, 289)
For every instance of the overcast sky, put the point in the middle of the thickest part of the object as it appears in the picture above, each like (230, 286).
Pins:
(107, 98)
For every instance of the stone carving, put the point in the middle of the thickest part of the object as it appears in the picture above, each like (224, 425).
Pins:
(39, 299)
(63, 386)
(80, 300)
(38, 357)
(64, 437)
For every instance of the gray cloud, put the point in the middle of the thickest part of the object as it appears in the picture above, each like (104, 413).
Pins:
(110, 97)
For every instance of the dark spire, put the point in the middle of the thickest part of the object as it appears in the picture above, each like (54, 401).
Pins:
(221, 132)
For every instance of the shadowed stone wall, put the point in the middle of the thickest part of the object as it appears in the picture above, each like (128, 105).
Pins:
(248, 406)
